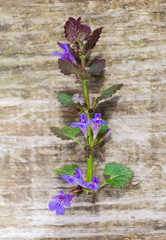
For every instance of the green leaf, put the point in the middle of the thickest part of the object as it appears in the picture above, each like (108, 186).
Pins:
(109, 92)
(65, 98)
(66, 133)
(103, 128)
(119, 175)
(67, 170)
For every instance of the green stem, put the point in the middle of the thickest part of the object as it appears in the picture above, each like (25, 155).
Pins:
(90, 159)
(78, 141)
(90, 140)
(103, 185)
(90, 167)
(86, 94)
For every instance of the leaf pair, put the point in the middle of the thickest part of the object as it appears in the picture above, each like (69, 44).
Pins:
(68, 68)
(66, 98)
(119, 174)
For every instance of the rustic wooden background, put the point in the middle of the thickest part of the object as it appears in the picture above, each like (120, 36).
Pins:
(134, 45)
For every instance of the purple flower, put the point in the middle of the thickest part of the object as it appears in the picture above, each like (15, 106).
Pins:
(60, 202)
(93, 185)
(75, 178)
(96, 124)
(65, 55)
(83, 125)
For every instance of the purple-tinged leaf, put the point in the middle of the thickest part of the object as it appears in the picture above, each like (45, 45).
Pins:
(87, 28)
(75, 31)
(93, 39)
(74, 112)
(97, 66)
(67, 68)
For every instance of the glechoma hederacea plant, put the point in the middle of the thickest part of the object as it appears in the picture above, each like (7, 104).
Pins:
(73, 60)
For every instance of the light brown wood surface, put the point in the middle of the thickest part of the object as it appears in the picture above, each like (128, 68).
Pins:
(133, 43)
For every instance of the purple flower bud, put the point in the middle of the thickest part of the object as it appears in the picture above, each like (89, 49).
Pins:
(60, 202)
(82, 101)
(75, 98)
(66, 55)
(87, 69)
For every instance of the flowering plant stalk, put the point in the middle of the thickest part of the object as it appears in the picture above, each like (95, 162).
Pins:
(73, 61)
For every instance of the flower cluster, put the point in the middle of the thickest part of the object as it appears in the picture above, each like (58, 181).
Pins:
(94, 123)
(94, 185)
(77, 99)
(63, 200)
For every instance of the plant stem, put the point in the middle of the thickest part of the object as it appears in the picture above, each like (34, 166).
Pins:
(86, 96)
(90, 167)
(78, 141)
(103, 185)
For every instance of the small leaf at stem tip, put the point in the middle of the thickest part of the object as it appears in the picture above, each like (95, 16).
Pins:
(93, 39)
(67, 170)
(119, 174)
(65, 98)
(75, 31)
(66, 133)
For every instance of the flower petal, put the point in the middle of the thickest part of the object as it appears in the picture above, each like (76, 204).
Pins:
(67, 203)
(95, 180)
(56, 54)
(62, 192)
(55, 197)
(60, 210)
(78, 172)
(69, 178)
(52, 205)
(65, 47)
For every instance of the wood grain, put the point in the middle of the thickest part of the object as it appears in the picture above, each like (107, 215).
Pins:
(134, 45)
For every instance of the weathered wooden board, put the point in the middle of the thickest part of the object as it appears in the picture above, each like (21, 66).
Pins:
(134, 45)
